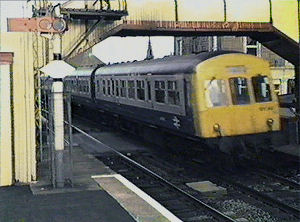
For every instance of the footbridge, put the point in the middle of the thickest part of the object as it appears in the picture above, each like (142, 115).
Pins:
(177, 18)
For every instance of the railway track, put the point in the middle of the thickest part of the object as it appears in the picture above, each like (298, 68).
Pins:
(182, 204)
(160, 179)
(273, 193)
(284, 180)
(237, 194)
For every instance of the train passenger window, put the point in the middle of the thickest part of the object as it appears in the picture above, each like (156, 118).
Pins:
(112, 87)
(261, 88)
(160, 91)
(117, 87)
(216, 92)
(140, 89)
(239, 91)
(149, 90)
(108, 87)
(103, 87)
(98, 86)
(123, 88)
(131, 90)
(173, 94)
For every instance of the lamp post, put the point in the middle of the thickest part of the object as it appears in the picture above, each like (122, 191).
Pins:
(271, 13)
(225, 12)
(58, 69)
(176, 10)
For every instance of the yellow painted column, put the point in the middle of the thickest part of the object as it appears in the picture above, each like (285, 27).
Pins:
(5, 126)
(23, 103)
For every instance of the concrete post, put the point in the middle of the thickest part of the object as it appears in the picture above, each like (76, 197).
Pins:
(57, 91)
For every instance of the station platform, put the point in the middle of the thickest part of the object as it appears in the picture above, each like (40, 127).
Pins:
(97, 194)
(18, 203)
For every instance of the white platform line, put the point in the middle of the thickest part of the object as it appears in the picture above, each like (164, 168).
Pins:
(160, 208)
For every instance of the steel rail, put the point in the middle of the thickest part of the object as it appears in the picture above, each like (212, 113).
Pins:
(289, 182)
(214, 211)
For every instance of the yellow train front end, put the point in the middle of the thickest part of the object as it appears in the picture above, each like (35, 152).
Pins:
(233, 96)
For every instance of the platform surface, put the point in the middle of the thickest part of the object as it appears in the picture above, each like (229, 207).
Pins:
(18, 204)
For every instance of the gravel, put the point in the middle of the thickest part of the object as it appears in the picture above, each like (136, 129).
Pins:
(244, 210)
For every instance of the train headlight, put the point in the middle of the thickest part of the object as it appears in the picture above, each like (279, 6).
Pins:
(217, 127)
(270, 122)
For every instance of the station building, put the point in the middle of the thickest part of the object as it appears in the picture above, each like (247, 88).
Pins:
(283, 72)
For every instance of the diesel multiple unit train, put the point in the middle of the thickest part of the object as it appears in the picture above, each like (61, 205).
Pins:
(210, 95)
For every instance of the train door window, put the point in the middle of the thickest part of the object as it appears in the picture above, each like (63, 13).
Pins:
(140, 84)
(149, 90)
(173, 93)
(117, 87)
(261, 88)
(239, 91)
(277, 83)
(291, 86)
(216, 92)
(123, 88)
(131, 89)
(160, 91)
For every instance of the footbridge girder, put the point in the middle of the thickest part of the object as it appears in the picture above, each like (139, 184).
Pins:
(265, 33)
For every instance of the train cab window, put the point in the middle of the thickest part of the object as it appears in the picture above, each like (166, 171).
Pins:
(131, 89)
(261, 88)
(160, 91)
(216, 93)
(239, 91)
(140, 84)
(123, 88)
(173, 94)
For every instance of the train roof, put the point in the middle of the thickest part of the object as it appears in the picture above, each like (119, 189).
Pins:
(167, 65)
(82, 71)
